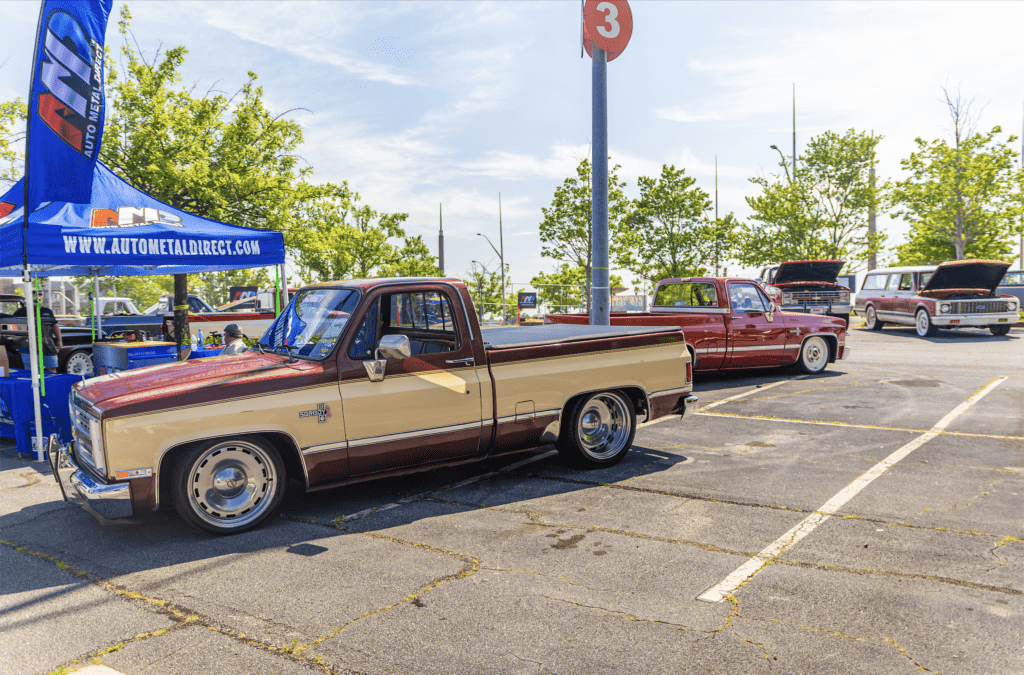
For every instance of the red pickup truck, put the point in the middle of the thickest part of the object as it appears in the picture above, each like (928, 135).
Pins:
(731, 323)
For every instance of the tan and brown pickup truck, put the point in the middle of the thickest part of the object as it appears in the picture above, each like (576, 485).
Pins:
(358, 380)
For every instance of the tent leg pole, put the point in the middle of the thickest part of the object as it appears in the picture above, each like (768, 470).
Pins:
(97, 321)
(34, 361)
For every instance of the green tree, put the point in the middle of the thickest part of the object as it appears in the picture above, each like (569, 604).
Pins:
(143, 290)
(12, 138)
(216, 286)
(565, 232)
(961, 199)
(485, 289)
(336, 238)
(671, 232)
(563, 289)
(819, 212)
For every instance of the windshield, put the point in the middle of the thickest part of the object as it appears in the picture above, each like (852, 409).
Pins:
(312, 322)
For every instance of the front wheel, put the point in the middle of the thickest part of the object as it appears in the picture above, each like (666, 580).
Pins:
(814, 355)
(79, 363)
(600, 430)
(229, 486)
(1000, 330)
(924, 325)
(871, 321)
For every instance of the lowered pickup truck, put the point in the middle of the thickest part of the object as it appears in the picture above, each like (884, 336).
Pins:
(358, 380)
(731, 323)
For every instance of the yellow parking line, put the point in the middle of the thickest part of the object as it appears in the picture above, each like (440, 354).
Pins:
(770, 418)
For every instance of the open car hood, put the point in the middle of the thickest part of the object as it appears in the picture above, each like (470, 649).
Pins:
(819, 271)
(968, 274)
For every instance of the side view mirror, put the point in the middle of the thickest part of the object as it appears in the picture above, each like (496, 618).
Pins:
(771, 312)
(390, 347)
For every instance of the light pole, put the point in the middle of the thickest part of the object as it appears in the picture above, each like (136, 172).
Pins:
(501, 257)
(784, 165)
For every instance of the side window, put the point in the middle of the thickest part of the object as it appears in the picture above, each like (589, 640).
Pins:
(746, 298)
(875, 282)
(365, 339)
(894, 281)
(195, 306)
(906, 282)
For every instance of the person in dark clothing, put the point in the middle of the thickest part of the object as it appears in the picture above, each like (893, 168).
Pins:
(52, 341)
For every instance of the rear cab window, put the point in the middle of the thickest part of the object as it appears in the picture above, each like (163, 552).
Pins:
(687, 294)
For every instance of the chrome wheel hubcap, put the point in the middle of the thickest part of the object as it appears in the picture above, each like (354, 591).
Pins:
(604, 426)
(79, 364)
(871, 317)
(922, 323)
(232, 484)
(815, 354)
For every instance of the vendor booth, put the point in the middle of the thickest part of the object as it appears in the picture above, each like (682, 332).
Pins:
(121, 232)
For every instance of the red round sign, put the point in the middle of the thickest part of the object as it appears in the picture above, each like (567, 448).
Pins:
(608, 24)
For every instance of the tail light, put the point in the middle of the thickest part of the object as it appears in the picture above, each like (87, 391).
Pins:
(689, 371)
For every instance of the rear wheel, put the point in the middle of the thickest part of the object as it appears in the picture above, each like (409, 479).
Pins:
(79, 363)
(924, 325)
(871, 321)
(814, 355)
(600, 430)
(228, 486)
(1000, 330)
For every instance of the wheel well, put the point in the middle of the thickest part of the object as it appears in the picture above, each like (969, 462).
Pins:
(831, 340)
(282, 443)
(693, 356)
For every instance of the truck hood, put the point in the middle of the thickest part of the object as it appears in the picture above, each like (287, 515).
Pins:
(193, 382)
(818, 271)
(981, 275)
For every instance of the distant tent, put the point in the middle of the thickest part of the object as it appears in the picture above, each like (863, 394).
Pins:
(125, 232)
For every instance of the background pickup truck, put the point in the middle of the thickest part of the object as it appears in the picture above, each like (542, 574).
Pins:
(360, 380)
(731, 323)
(808, 286)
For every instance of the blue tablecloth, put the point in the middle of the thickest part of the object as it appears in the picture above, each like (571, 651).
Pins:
(203, 353)
(17, 414)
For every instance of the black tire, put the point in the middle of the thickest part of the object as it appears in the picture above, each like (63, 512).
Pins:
(79, 362)
(229, 485)
(871, 321)
(923, 324)
(814, 355)
(599, 431)
(1000, 330)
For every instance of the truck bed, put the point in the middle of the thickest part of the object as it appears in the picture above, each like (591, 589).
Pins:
(534, 336)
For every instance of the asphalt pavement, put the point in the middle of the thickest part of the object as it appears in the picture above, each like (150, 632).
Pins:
(869, 519)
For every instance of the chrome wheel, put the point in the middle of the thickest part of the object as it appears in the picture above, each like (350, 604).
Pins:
(79, 363)
(229, 486)
(599, 431)
(814, 355)
(923, 324)
(871, 321)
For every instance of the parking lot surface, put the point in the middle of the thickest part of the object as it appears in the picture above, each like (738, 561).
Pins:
(866, 520)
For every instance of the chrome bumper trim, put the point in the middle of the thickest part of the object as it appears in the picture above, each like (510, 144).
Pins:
(946, 320)
(107, 501)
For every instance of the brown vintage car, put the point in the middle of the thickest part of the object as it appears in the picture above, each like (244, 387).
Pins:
(358, 380)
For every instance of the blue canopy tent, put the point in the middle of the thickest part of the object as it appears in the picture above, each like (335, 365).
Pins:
(122, 232)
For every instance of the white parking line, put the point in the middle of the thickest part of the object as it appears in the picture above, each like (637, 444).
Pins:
(747, 570)
(709, 406)
(444, 488)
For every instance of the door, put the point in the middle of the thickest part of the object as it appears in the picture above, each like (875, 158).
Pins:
(757, 337)
(428, 408)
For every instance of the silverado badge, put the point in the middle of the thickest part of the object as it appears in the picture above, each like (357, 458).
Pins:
(322, 412)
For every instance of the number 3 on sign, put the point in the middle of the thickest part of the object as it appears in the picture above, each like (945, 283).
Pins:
(610, 13)
(608, 24)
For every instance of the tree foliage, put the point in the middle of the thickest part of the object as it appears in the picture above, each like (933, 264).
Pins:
(485, 289)
(819, 212)
(962, 199)
(671, 233)
(12, 138)
(565, 232)
(336, 238)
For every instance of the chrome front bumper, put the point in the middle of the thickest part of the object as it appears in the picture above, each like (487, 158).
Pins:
(953, 320)
(107, 501)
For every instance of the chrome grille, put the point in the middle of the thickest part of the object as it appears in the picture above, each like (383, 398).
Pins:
(978, 306)
(816, 297)
(80, 422)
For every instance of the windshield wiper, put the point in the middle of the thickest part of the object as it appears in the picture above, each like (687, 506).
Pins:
(288, 349)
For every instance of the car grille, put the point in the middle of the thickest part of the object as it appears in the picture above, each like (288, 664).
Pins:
(978, 307)
(80, 422)
(818, 298)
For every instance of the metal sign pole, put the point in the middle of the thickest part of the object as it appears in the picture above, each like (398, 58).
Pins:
(599, 292)
(30, 314)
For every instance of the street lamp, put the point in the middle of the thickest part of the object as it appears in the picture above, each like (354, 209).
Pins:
(783, 157)
(501, 257)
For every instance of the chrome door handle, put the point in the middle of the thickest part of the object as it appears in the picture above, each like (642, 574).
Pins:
(466, 360)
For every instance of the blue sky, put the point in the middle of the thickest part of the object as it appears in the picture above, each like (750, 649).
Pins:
(417, 104)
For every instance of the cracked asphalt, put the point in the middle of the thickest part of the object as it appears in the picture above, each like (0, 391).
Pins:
(529, 566)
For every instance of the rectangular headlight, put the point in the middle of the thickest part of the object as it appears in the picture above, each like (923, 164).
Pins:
(96, 438)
